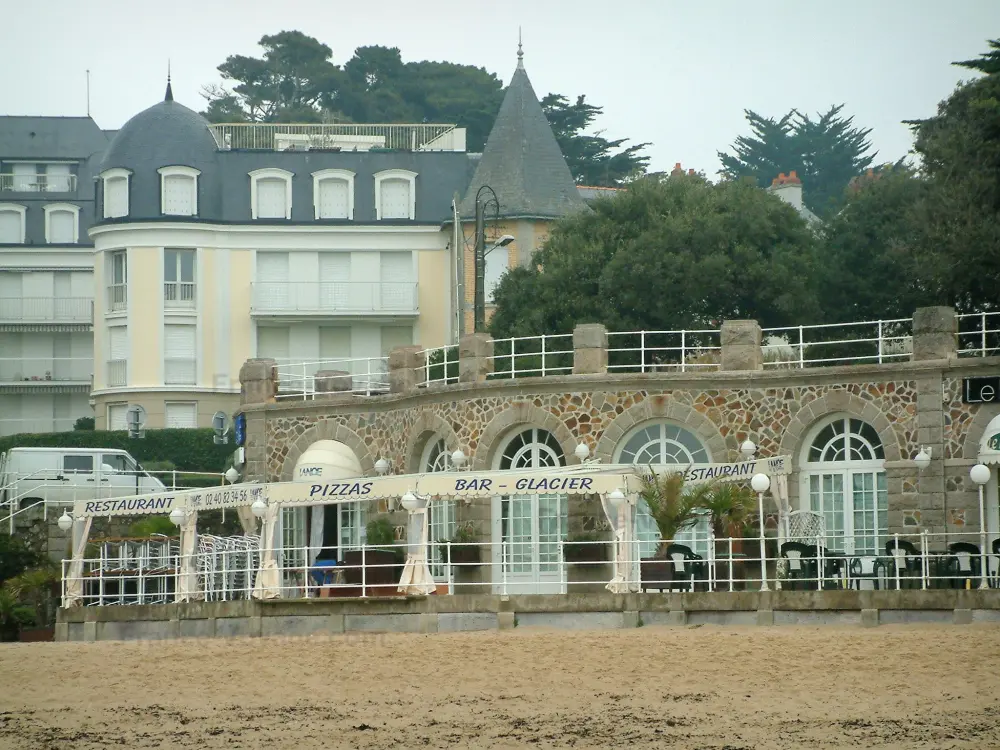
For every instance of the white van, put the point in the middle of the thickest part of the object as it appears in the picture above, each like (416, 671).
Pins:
(65, 475)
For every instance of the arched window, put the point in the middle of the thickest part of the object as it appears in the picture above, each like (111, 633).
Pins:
(11, 224)
(333, 194)
(441, 523)
(115, 193)
(531, 449)
(843, 478)
(62, 224)
(665, 444)
(395, 194)
(271, 194)
(179, 191)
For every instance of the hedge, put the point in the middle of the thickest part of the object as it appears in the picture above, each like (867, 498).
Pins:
(188, 450)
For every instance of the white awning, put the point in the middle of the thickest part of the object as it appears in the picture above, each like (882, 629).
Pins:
(989, 446)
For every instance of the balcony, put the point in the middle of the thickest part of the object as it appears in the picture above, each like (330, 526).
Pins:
(34, 373)
(117, 297)
(35, 310)
(178, 294)
(117, 373)
(37, 183)
(338, 137)
(333, 299)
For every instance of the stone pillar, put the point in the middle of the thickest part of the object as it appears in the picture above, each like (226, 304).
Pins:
(407, 368)
(255, 447)
(931, 500)
(333, 382)
(590, 349)
(258, 383)
(741, 345)
(475, 357)
(935, 333)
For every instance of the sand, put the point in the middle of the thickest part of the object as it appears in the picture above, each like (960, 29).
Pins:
(913, 686)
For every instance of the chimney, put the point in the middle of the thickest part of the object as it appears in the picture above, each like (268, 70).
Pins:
(788, 188)
(676, 170)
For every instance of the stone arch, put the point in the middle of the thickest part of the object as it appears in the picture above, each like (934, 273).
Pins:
(522, 414)
(832, 404)
(326, 429)
(425, 426)
(664, 408)
(974, 435)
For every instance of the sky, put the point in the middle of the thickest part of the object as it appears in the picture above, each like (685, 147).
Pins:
(677, 74)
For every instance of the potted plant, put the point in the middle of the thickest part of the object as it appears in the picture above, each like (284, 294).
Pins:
(384, 566)
(38, 591)
(13, 616)
(463, 549)
(585, 547)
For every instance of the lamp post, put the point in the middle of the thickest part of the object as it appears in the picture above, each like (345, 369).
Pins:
(980, 474)
(761, 483)
(479, 256)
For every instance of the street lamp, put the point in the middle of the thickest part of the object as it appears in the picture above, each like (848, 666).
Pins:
(761, 483)
(458, 458)
(259, 508)
(178, 516)
(582, 451)
(980, 474)
(747, 448)
(66, 520)
(617, 498)
(382, 467)
(479, 256)
(923, 458)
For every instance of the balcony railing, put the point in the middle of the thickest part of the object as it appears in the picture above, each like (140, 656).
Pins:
(46, 310)
(334, 298)
(117, 369)
(301, 380)
(42, 370)
(178, 294)
(117, 297)
(339, 136)
(180, 371)
(37, 183)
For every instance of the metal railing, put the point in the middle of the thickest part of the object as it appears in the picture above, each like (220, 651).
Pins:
(664, 351)
(362, 376)
(864, 342)
(46, 309)
(979, 334)
(180, 371)
(40, 370)
(340, 136)
(897, 562)
(178, 294)
(117, 297)
(344, 297)
(441, 365)
(37, 183)
(532, 356)
(117, 373)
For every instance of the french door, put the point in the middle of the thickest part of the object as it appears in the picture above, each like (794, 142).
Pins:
(526, 535)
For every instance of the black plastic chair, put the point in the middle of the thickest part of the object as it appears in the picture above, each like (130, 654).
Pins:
(906, 559)
(803, 564)
(963, 564)
(994, 578)
(867, 568)
(689, 569)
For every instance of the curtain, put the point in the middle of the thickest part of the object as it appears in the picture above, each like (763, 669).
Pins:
(187, 580)
(74, 583)
(625, 571)
(316, 532)
(416, 578)
(268, 582)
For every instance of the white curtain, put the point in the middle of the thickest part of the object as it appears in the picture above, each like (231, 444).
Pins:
(247, 520)
(316, 532)
(187, 579)
(625, 571)
(779, 491)
(416, 578)
(74, 584)
(268, 583)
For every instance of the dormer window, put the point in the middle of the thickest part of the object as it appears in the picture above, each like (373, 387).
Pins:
(270, 194)
(179, 191)
(62, 223)
(115, 193)
(333, 194)
(395, 194)
(11, 224)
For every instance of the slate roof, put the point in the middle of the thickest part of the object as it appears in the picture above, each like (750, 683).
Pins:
(522, 161)
(29, 137)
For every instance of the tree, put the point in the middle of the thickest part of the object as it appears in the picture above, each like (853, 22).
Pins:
(826, 153)
(666, 254)
(592, 158)
(960, 157)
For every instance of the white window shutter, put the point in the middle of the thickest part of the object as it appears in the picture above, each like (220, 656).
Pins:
(180, 415)
(25, 177)
(272, 343)
(10, 227)
(334, 280)
(118, 342)
(271, 196)
(179, 354)
(334, 199)
(62, 227)
(178, 195)
(117, 416)
(334, 343)
(115, 197)
(395, 199)
(57, 178)
(396, 275)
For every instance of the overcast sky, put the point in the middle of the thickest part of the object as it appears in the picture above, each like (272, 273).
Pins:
(675, 73)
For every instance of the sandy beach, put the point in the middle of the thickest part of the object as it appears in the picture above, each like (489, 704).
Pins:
(697, 687)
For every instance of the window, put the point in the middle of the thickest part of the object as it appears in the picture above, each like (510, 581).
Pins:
(118, 462)
(180, 414)
(11, 224)
(441, 514)
(843, 478)
(395, 336)
(117, 415)
(664, 444)
(115, 193)
(334, 344)
(78, 464)
(117, 280)
(272, 343)
(178, 278)
(497, 263)
(397, 288)
(333, 194)
(25, 177)
(178, 191)
(335, 288)
(117, 356)
(271, 287)
(61, 223)
(270, 194)
(179, 354)
(395, 194)
(59, 178)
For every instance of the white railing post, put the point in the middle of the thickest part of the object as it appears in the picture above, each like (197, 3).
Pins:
(802, 348)
(683, 350)
(543, 355)
(982, 329)
(895, 557)
(880, 345)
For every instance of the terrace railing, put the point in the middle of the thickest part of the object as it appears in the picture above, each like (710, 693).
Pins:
(664, 351)
(865, 342)
(305, 380)
(979, 334)
(346, 136)
(532, 356)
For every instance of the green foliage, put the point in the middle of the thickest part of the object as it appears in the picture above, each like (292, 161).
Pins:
(443, 365)
(13, 616)
(187, 449)
(826, 153)
(379, 532)
(38, 591)
(665, 254)
(150, 525)
(84, 423)
(16, 557)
